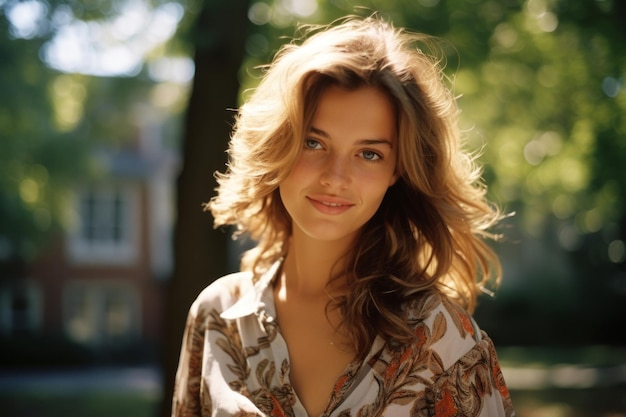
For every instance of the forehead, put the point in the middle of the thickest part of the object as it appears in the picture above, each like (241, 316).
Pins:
(366, 112)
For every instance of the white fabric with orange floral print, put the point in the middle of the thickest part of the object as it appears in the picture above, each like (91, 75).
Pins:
(234, 362)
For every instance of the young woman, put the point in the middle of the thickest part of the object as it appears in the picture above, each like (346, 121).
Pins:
(347, 170)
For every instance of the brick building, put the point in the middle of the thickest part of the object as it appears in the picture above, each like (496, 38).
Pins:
(101, 285)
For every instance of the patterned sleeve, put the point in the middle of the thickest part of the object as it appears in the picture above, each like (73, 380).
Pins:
(186, 400)
(473, 386)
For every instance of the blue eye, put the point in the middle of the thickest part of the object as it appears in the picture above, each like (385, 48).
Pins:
(312, 144)
(370, 155)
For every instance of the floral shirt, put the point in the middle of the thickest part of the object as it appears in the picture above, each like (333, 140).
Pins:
(234, 362)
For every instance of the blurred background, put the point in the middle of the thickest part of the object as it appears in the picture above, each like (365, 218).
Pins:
(114, 114)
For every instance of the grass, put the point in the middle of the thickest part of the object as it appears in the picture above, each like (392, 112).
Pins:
(605, 401)
(92, 404)
(529, 357)
(595, 402)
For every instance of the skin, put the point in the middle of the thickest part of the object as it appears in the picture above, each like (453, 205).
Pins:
(347, 164)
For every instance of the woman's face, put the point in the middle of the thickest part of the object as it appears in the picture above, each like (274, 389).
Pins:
(347, 163)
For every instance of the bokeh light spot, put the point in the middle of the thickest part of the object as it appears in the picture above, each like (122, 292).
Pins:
(617, 251)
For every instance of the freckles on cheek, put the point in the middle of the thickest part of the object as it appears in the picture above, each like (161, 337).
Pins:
(303, 167)
(373, 176)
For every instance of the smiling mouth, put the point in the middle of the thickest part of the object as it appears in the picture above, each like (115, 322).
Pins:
(330, 201)
(330, 207)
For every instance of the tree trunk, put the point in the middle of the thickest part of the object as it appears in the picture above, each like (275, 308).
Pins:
(200, 252)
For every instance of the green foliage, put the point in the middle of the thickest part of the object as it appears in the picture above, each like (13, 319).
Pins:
(51, 123)
(33, 157)
(94, 403)
(546, 114)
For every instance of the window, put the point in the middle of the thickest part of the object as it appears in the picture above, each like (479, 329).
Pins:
(103, 214)
(106, 225)
(102, 313)
(20, 308)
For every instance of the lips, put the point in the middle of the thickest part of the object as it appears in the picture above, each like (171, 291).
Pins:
(330, 205)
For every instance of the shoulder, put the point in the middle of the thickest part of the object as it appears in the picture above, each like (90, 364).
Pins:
(442, 326)
(461, 359)
(222, 293)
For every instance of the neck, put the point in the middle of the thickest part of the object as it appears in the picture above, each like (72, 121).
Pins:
(311, 264)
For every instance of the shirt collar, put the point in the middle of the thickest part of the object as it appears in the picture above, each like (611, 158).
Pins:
(256, 299)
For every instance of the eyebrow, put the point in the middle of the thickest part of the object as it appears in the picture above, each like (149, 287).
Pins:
(380, 141)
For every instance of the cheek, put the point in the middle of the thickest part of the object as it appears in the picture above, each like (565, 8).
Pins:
(375, 187)
(290, 187)
(377, 199)
(301, 170)
(377, 180)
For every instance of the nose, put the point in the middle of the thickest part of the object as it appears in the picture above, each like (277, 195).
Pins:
(336, 171)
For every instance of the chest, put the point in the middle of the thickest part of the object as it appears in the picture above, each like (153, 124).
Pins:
(318, 352)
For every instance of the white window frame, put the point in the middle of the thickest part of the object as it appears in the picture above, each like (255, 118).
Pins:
(105, 247)
(94, 327)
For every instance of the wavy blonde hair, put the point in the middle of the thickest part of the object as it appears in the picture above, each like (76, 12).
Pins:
(430, 230)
